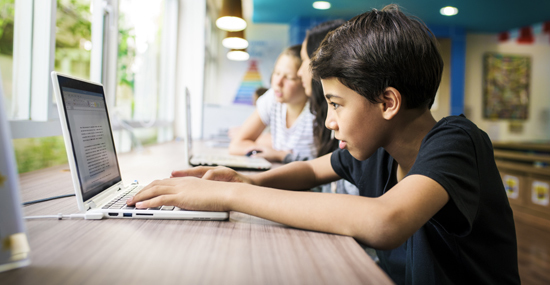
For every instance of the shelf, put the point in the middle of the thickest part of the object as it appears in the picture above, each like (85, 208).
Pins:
(527, 165)
(522, 167)
(521, 156)
(523, 146)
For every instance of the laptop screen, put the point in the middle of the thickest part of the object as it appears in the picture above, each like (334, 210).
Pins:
(91, 135)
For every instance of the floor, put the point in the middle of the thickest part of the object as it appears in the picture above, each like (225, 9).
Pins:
(533, 251)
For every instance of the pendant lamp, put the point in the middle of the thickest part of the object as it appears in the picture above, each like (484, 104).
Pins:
(235, 40)
(231, 16)
(238, 55)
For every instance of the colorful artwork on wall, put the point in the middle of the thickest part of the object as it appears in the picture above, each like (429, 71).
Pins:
(506, 86)
(250, 82)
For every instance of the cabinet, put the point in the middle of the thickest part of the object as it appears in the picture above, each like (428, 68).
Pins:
(525, 172)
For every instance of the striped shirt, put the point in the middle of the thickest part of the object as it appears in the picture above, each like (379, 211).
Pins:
(298, 138)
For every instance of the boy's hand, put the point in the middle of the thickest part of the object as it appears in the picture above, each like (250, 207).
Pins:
(219, 173)
(189, 193)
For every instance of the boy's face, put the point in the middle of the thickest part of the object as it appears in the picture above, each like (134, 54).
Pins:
(357, 123)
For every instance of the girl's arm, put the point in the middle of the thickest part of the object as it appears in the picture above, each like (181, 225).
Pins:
(246, 137)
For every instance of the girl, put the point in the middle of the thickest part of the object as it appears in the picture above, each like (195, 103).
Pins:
(285, 109)
(324, 142)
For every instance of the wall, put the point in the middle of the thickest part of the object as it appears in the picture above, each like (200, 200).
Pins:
(266, 43)
(537, 127)
(442, 104)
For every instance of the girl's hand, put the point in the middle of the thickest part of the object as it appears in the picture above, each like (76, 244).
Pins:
(269, 153)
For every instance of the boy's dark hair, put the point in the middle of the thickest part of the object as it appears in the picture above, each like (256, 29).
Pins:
(380, 49)
(317, 34)
(318, 105)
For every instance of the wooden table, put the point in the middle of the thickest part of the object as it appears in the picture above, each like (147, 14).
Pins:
(243, 250)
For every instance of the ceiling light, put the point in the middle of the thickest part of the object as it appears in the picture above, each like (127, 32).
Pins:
(321, 5)
(231, 16)
(448, 11)
(235, 40)
(238, 55)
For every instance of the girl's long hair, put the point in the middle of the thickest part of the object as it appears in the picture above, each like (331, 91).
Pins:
(318, 105)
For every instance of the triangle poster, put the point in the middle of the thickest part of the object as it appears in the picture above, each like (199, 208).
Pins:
(250, 82)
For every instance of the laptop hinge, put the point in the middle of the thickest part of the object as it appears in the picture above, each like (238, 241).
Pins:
(90, 205)
(103, 197)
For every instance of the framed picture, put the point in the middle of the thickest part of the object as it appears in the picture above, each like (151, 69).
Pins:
(506, 90)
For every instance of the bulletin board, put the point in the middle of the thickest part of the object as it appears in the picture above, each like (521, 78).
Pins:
(506, 80)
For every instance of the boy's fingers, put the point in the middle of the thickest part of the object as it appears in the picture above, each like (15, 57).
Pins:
(156, 202)
(210, 175)
(149, 192)
(218, 174)
(195, 171)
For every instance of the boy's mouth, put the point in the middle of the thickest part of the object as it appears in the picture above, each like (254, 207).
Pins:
(342, 144)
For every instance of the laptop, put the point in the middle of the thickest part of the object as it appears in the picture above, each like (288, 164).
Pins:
(237, 162)
(92, 156)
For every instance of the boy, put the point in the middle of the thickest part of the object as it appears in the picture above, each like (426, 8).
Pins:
(432, 202)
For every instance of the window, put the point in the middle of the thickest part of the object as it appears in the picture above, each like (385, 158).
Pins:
(145, 90)
(73, 35)
(72, 56)
(81, 38)
(7, 12)
(138, 74)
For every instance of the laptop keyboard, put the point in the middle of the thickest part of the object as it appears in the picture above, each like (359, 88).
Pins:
(223, 159)
(120, 201)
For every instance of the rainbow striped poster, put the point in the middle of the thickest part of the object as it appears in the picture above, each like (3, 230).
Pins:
(250, 82)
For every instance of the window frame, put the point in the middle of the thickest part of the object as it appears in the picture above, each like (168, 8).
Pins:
(33, 58)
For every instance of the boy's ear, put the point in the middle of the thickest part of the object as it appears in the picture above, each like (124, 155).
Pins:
(391, 102)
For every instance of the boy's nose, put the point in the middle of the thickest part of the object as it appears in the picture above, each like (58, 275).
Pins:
(330, 124)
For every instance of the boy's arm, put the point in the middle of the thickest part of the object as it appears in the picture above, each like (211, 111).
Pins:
(383, 223)
(299, 175)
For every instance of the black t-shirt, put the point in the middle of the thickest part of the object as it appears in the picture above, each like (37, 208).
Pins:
(472, 239)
